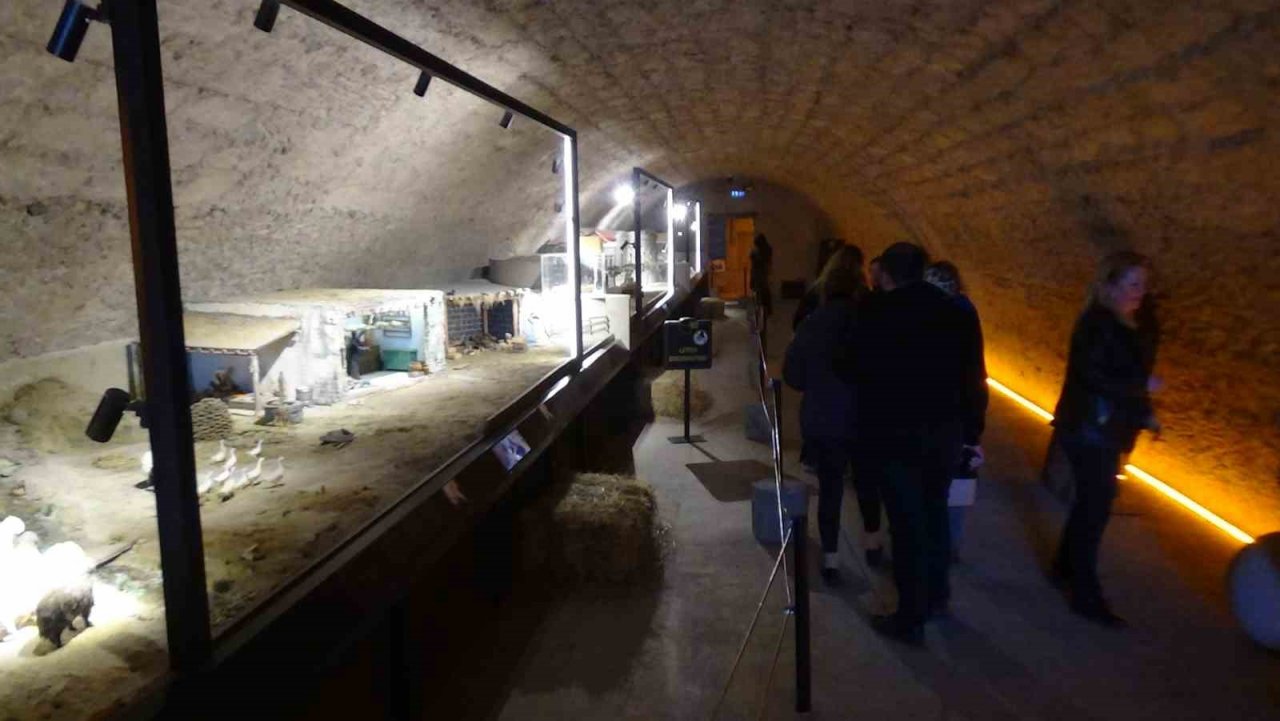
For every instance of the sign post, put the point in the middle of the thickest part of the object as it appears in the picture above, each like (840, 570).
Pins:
(688, 347)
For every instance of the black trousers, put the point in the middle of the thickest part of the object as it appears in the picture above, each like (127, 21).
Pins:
(831, 457)
(915, 498)
(867, 487)
(1094, 468)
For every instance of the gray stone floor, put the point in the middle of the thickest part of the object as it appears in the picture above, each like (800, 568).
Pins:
(1010, 651)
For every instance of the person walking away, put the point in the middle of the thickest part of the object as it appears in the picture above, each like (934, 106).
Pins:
(827, 421)
(761, 269)
(876, 274)
(847, 256)
(945, 276)
(920, 391)
(1105, 404)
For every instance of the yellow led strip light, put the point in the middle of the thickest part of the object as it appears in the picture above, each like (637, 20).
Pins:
(1135, 472)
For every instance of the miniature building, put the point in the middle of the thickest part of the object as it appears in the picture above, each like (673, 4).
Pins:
(232, 356)
(399, 327)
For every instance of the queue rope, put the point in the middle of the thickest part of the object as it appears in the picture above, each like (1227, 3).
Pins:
(775, 422)
(755, 618)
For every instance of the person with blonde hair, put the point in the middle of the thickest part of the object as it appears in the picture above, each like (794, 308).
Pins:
(1105, 404)
(828, 423)
(847, 257)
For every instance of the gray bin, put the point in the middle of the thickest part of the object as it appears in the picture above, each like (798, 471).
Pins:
(764, 508)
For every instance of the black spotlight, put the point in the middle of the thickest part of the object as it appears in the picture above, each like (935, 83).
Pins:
(70, 30)
(107, 417)
(555, 166)
(266, 17)
(507, 117)
(424, 81)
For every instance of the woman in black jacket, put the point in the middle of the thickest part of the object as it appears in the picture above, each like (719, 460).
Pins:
(827, 420)
(847, 257)
(1105, 404)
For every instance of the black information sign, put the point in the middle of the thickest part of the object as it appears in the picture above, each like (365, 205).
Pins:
(688, 343)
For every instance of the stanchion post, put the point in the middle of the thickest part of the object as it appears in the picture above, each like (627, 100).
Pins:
(777, 410)
(688, 384)
(800, 540)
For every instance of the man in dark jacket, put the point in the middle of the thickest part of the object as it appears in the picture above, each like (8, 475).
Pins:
(921, 396)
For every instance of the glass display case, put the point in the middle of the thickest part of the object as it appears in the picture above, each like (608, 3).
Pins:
(335, 342)
(653, 221)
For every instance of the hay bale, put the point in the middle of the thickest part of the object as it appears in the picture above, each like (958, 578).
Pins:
(49, 415)
(668, 396)
(599, 529)
(712, 308)
(210, 420)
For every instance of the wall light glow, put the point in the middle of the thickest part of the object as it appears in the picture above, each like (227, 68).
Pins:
(679, 212)
(624, 194)
(1134, 472)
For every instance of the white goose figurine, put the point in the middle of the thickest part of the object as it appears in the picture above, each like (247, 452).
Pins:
(207, 484)
(221, 455)
(220, 477)
(274, 472)
(255, 472)
(236, 483)
(257, 450)
(231, 460)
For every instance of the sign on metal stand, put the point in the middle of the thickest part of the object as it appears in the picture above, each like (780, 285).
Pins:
(688, 347)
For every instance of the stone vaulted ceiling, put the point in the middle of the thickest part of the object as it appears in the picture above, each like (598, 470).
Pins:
(1020, 138)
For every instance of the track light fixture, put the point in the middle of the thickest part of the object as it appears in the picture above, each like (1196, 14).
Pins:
(424, 81)
(71, 28)
(555, 166)
(507, 117)
(266, 17)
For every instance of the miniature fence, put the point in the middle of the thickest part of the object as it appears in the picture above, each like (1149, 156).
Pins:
(794, 534)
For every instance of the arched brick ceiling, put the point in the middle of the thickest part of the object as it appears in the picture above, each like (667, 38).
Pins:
(1021, 138)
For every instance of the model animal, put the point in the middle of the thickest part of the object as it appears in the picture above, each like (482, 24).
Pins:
(147, 463)
(256, 472)
(221, 455)
(231, 460)
(19, 569)
(220, 476)
(257, 449)
(273, 472)
(208, 483)
(62, 607)
(239, 479)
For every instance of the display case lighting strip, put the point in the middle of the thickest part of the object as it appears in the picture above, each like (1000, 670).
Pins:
(1135, 472)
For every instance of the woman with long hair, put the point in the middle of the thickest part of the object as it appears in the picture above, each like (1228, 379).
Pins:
(827, 418)
(1105, 404)
(847, 257)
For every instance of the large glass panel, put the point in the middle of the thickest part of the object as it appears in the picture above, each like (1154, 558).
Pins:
(609, 270)
(81, 602)
(369, 277)
(657, 254)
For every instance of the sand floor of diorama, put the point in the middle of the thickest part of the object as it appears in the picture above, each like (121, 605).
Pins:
(256, 539)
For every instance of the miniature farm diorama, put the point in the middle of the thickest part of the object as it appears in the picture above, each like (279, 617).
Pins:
(312, 410)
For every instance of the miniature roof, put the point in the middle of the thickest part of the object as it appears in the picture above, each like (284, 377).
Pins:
(234, 333)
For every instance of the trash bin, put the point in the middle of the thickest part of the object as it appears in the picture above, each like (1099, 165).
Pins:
(764, 507)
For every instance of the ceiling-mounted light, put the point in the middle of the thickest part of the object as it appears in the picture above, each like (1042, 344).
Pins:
(507, 117)
(424, 81)
(555, 166)
(265, 20)
(624, 194)
(71, 28)
(679, 212)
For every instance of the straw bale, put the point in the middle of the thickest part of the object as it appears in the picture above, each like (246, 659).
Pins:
(668, 396)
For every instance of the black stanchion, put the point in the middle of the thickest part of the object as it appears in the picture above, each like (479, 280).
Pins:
(800, 541)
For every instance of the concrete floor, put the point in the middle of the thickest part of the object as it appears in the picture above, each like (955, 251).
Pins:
(1010, 651)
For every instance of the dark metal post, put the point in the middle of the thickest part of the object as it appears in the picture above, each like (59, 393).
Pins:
(403, 680)
(635, 222)
(572, 140)
(800, 540)
(135, 36)
(777, 410)
(687, 395)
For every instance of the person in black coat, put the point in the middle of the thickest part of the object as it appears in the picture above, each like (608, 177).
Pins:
(827, 410)
(761, 269)
(921, 390)
(1104, 405)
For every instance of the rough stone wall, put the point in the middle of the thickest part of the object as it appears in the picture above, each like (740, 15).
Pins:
(1021, 138)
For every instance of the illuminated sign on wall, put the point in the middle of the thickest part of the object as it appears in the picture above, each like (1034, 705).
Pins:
(737, 192)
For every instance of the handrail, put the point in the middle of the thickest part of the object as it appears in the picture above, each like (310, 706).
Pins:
(799, 604)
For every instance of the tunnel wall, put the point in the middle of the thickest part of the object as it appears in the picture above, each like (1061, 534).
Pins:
(299, 159)
(1101, 126)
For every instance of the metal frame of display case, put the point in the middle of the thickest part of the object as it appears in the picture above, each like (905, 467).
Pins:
(638, 175)
(140, 86)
